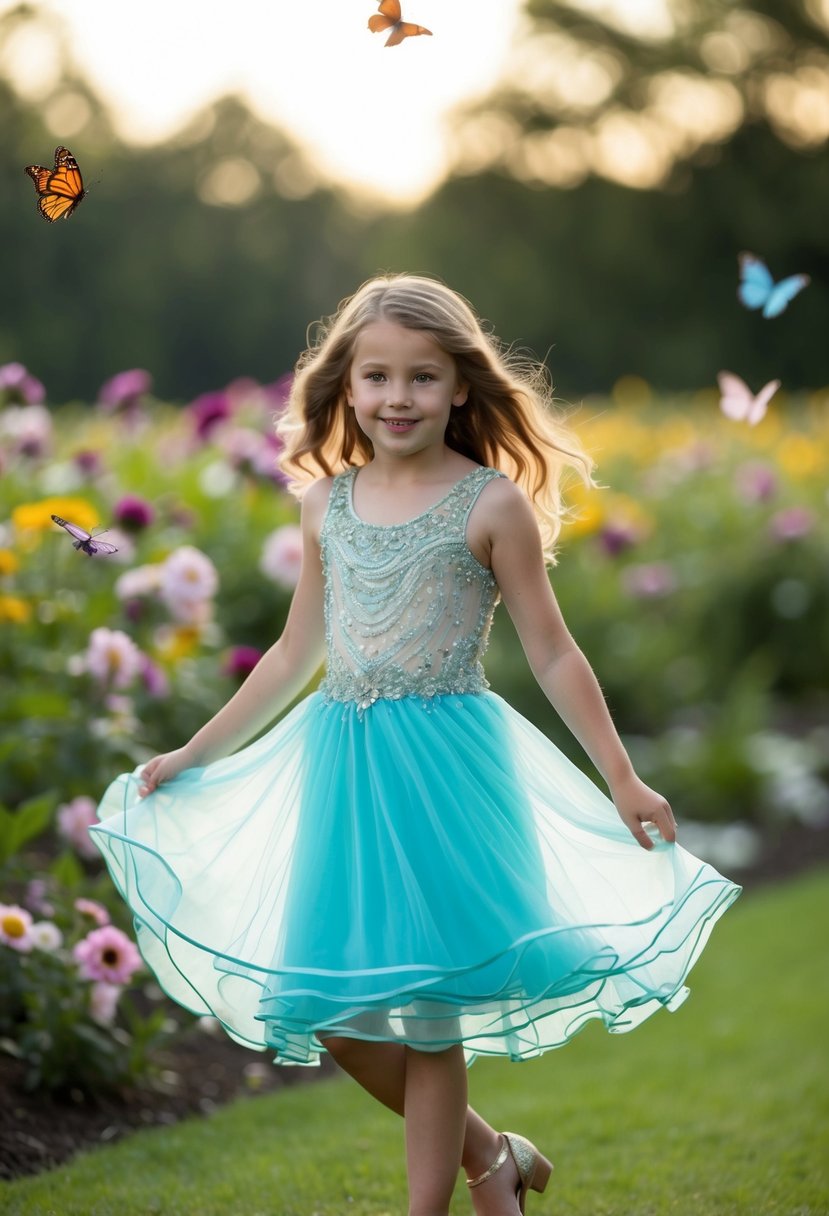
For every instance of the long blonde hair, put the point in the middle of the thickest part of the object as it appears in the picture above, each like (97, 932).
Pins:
(508, 421)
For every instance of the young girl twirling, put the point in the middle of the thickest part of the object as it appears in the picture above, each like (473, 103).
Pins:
(404, 872)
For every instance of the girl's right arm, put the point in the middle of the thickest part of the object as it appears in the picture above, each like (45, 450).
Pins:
(279, 675)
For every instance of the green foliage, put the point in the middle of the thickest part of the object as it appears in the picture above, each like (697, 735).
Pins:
(55, 1019)
(28, 821)
(718, 1109)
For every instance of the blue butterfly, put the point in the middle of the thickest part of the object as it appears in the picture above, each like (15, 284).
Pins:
(758, 289)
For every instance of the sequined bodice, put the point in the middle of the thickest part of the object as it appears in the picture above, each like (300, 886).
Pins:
(407, 606)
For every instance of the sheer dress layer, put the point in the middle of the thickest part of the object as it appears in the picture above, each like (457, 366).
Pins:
(404, 857)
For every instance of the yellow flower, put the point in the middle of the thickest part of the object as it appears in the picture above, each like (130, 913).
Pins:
(174, 642)
(13, 609)
(800, 456)
(37, 516)
(9, 562)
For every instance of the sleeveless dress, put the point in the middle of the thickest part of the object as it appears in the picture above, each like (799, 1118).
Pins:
(404, 857)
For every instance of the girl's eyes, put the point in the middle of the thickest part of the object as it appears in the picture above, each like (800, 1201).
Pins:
(376, 377)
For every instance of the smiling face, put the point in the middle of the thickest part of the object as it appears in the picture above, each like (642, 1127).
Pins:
(402, 387)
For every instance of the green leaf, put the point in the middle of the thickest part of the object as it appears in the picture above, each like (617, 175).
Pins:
(29, 820)
(67, 870)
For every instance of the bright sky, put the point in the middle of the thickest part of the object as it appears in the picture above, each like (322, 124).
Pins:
(369, 114)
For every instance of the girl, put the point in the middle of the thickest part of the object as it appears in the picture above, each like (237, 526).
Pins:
(404, 872)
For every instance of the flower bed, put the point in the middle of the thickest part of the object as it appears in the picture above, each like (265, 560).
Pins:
(697, 583)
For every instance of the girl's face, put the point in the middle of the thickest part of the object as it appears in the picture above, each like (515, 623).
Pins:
(402, 387)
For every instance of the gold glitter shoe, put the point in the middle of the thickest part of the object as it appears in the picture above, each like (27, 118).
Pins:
(533, 1169)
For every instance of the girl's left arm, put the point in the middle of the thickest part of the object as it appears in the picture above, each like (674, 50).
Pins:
(562, 671)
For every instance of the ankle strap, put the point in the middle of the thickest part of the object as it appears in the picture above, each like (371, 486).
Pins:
(494, 1168)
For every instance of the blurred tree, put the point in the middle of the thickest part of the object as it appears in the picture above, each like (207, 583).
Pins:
(595, 212)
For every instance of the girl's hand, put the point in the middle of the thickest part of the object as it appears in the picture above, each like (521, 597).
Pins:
(163, 768)
(637, 805)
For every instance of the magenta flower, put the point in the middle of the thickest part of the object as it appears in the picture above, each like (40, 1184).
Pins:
(75, 818)
(241, 661)
(616, 536)
(88, 461)
(125, 391)
(792, 523)
(208, 411)
(107, 954)
(19, 387)
(154, 678)
(133, 513)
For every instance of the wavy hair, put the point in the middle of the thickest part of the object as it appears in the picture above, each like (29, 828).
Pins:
(509, 421)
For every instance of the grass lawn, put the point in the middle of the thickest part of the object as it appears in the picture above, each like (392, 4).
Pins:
(721, 1108)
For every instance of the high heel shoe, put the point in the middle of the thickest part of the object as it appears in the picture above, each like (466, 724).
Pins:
(533, 1169)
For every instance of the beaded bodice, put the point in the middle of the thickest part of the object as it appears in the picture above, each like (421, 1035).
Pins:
(407, 606)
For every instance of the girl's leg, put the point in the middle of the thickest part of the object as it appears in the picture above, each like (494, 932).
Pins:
(435, 1111)
(380, 1068)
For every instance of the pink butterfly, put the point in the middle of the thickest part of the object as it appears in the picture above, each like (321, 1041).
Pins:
(738, 402)
(84, 540)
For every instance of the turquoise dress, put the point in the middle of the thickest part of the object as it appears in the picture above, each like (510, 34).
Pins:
(403, 857)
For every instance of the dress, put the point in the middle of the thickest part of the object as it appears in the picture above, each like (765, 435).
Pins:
(403, 856)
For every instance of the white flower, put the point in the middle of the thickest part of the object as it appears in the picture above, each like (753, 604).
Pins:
(188, 580)
(75, 818)
(46, 936)
(143, 580)
(281, 558)
(112, 657)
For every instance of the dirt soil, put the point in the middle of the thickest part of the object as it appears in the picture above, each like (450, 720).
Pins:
(203, 1071)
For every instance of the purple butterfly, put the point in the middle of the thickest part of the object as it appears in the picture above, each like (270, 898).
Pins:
(85, 540)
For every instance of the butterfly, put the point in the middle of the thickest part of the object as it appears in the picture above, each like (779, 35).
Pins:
(85, 540)
(389, 18)
(758, 289)
(738, 402)
(59, 190)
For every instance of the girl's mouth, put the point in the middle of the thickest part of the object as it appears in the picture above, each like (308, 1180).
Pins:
(400, 424)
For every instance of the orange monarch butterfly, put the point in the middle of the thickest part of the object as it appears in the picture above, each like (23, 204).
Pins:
(389, 18)
(59, 190)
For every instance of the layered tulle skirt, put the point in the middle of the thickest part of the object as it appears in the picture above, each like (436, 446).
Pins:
(428, 872)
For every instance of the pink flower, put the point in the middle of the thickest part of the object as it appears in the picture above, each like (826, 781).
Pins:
(792, 523)
(75, 818)
(37, 891)
(91, 907)
(16, 928)
(112, 657)
(650, 580)
(19, 386)
(281, 558)
(188, 580)
(103, 1002)
(755, 481)
(125, 390)
(29, 427)
(107, 954)
(208, 411)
